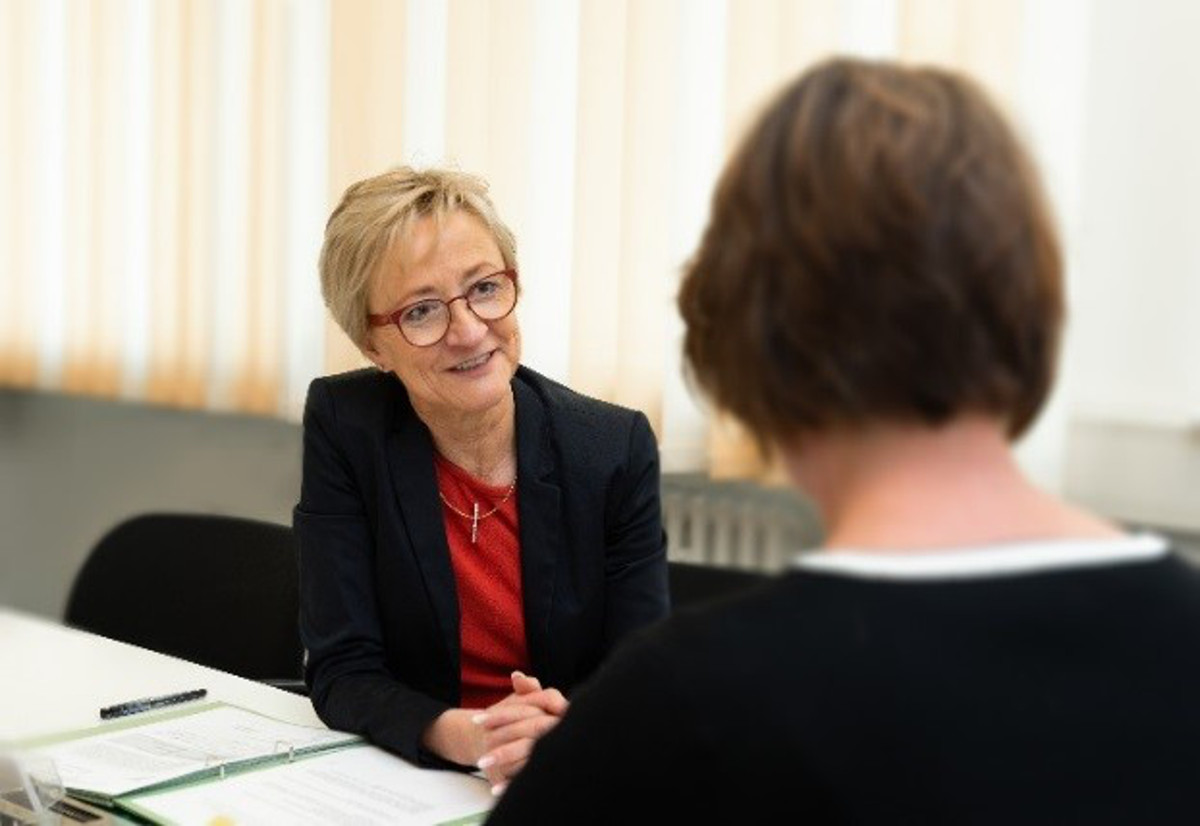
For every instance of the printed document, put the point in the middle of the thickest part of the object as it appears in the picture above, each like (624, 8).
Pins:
(363, 786)
(135, 755)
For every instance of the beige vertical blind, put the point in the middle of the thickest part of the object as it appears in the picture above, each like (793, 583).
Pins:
(164, 172)
(167, 167)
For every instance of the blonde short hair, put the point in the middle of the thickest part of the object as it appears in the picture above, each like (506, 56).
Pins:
(374, 212)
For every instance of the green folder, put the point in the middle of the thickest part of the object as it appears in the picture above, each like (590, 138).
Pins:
(200, 752)
(151, 766)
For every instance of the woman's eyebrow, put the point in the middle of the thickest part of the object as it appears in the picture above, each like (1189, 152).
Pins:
(429, 291)
(414, 295)
(482, 268)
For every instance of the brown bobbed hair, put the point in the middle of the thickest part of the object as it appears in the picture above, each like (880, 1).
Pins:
(879, 249)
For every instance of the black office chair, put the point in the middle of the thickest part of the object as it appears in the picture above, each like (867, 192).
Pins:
(695, 584)
(220, 591)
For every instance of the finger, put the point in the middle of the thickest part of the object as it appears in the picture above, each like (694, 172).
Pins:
(522, 687)
(549, 700)
(525, 684)
(511, 770)
(499, 716)
(499, 788)
(508, 753)
(504, 772)
(507, 701)
(523, 730)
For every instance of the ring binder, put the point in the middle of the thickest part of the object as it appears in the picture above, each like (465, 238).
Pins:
(223, 741)
(291, 749)
(215, 762)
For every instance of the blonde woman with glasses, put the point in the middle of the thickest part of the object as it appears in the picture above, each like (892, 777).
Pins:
(474, 537)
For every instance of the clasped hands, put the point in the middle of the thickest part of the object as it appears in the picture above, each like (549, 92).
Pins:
(508, 730)
(498, 739)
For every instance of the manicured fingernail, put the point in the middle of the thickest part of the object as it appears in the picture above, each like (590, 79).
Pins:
(485, 761)
(479, 719)
(498, 789)
(518, 674)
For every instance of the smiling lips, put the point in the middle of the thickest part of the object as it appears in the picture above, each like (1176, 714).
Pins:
(471, 364)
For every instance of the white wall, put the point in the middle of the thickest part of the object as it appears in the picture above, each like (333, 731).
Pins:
(1132, 366)
(1138, 246)
(72, 468)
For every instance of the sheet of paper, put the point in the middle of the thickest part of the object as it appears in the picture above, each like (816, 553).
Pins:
(122, 760)
(362, 785)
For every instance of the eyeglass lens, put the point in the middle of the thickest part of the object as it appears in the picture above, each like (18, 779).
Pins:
(490, 298)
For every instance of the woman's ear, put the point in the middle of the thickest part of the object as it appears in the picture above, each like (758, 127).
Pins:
(374, 355)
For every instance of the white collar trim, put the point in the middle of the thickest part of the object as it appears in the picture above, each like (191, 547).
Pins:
(1006, 559)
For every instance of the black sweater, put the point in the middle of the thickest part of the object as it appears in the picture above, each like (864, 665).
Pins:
(1060, 697)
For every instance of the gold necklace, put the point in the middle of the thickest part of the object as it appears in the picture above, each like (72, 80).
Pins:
(475, 516)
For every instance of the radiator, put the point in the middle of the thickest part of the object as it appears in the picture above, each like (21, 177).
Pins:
(735, 524)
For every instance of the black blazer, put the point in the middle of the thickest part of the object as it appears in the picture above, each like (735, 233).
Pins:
(379, 612)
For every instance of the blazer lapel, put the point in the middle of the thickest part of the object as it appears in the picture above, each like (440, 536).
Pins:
(538, 503)
(410, 458)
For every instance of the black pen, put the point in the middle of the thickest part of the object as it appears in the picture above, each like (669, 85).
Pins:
(149, 703)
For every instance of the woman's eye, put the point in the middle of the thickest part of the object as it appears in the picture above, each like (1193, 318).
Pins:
(419, 313)
(485, 288)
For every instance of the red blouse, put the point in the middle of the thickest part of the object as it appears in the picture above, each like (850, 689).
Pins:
(487, 573)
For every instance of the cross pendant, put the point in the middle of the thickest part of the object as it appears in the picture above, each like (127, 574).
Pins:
(475, 523)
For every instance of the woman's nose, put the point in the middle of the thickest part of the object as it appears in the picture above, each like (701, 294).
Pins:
(465, 327)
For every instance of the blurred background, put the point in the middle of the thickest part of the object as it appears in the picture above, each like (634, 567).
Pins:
(166, 167)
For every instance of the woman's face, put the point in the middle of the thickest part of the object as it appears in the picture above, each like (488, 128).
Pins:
(469, 370)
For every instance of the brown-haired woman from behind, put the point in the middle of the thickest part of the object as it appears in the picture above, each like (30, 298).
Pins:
(878, 296)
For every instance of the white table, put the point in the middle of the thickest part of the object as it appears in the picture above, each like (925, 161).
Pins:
(56, 679)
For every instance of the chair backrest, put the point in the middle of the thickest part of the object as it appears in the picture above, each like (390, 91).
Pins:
(692, 583)
(216, 590)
